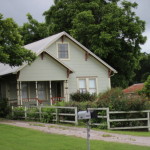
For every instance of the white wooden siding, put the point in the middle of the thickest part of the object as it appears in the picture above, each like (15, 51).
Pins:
(82, 68)
(43, 70)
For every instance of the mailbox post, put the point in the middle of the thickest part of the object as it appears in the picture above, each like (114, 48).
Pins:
(86, 115)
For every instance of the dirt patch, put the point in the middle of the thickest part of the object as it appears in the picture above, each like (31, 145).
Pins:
(80, 132)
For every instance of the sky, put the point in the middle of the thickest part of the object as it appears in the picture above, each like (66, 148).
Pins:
(17, 9)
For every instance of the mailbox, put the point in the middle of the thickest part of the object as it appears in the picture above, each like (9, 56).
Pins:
(84, 115)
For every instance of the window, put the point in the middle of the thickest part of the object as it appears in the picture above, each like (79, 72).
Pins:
(92, 86)
(63, 51)
(82, 85)
(87, 85)
(42, 90)
(24, 90)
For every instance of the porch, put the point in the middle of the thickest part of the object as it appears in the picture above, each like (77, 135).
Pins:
(40, 92)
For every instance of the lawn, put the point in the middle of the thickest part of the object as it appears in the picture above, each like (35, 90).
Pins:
(134, 133)
(17, 138)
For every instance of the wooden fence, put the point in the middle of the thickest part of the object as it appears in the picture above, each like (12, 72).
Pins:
(59, 117)
(145, 118)
(103, 113)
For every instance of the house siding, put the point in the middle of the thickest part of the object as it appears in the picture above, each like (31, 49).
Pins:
(46, 69)
(81, 67)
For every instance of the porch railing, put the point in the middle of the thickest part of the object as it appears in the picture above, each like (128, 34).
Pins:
(52, 101)
(57, 99)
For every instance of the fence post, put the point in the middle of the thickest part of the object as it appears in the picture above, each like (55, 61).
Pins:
(76, 116)
(148, 121)
(25, 112)
(12, 109)
(40, 112)
(57, 116)
(108, 118)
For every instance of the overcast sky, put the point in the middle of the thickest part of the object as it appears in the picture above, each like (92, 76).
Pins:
(17, 9)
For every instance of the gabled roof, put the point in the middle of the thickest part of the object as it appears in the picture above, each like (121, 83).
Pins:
(134, 88)
(40, 46)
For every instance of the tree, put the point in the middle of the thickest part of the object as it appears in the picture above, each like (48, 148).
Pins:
(11, 50)
(33, 30)
(112, 32)
(144, 70)
(146, 89)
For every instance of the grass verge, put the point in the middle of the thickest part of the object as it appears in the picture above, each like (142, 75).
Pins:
(17, 138)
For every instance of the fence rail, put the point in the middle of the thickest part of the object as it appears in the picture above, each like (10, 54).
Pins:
(103, 113)
(147, 119)
(59, 117)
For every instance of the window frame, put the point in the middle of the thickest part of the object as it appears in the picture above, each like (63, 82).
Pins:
(87, 80)
(68, 50)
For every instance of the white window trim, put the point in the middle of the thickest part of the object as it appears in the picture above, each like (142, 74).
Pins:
(68, 50)
(87, 83)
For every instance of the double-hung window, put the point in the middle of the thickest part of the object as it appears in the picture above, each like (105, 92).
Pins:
(82, 85)
(87, 85)
(92, 86)
(63, 51)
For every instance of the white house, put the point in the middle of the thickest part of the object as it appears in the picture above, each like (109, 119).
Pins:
(63, 66)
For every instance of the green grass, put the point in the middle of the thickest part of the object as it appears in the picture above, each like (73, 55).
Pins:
(134, 133)
(17, 138)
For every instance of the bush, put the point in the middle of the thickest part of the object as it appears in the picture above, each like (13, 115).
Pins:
(33, 113)
(47, 115)
(82, 97)
(116, 100)
(4, 108)
(18, 113)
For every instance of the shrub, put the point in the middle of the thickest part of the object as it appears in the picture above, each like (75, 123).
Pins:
(82, 97)
(33, 113)
(18, 113)
(116, 100)
(4, 108)
(47, 115)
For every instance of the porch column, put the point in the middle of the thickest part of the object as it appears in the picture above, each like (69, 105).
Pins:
(20, 94)
(50, 93)
(36, 91)
(66, 92)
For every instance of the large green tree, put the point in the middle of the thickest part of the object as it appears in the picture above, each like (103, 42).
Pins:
(144, 69)
(11, 50)
(111, 31)
(33, 30)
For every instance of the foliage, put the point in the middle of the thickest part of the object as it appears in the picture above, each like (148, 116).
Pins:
(18, 113)
(47, 114)
(82, 97)
(11, 50)
(21, 138)
(33, 30)
(116, 100)
(146, 89)
(144, 71)
(33, 113)
(112, 32)
(4, 108)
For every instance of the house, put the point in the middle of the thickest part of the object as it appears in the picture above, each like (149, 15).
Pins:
(63, 66)
(134, 88)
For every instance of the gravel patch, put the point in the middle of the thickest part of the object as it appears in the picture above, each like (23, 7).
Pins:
(80, 132)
